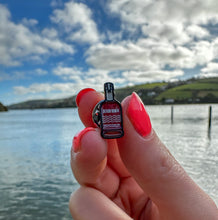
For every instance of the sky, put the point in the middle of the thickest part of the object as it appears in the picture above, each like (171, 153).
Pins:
(54, 48)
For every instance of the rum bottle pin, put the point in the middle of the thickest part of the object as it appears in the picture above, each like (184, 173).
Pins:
(107, 114)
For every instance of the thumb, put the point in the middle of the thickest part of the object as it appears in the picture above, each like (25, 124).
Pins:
(153, 167)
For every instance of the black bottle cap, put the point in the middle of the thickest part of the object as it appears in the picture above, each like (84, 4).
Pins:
(109, 91)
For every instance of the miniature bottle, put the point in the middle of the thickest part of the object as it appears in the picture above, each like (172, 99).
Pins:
(108, 114)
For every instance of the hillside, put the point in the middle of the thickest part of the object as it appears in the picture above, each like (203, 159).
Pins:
(188, 91)
(192, 91)
(45, 103)
(3, 108)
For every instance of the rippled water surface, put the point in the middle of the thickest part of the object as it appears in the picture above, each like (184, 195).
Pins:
(35, 176)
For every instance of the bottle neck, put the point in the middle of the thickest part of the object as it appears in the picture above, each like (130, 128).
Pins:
(109, 91)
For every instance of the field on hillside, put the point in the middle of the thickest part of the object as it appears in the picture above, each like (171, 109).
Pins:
(202, 89)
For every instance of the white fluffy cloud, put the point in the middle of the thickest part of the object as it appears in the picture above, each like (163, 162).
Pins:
(76, 18)
(171, 21)
(76, 79)
(197, 31)
(211, 70)
(68, 88)
(69, 73)
(44, 87)
(18, 42)
(139, 12)
(83, 78)
(121, 56)
(147, 54)
(133, 77)
(172, 32)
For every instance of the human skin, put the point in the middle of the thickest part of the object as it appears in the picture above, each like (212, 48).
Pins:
(133, 177)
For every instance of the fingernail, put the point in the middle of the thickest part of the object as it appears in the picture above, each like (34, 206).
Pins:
(77, 139)
(81, 94)
(138, 116)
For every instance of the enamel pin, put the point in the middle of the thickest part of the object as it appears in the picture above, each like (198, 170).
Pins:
(107, 114)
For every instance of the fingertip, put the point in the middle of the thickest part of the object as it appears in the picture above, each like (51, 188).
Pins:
(86, 101)
(136, 113)
(89, 146)
(77, 138)
(81, 94)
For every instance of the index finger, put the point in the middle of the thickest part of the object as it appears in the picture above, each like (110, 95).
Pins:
(86, 101)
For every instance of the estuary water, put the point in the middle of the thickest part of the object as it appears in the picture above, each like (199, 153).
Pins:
(35, 176)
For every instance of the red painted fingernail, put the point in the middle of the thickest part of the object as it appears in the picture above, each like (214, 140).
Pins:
(81, 93)
(77, 138)
(138, 116)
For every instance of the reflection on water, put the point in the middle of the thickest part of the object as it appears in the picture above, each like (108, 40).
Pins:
(35, 176)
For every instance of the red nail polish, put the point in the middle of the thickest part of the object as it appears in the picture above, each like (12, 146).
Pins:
(138, 116)
(77, 138)
(81, 93)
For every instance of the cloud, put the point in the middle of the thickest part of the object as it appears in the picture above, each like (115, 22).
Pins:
(76, 19)
(211, 67)
(167, 32)
(148, 54)
(45, 91)
(76, 78)
(139, 12)
(16, 75)
(69, 73)
(43, 87)
(53, 90)
(95, 78)
(4, 76)
(197, 31)
(29, 22)
(175, 33)
(83, 78)
(210, 70)
(56, 3)
(168, 20)
(122, 56)
(214, 45)
(22, 75)
(41, 72)
(203, 52)
(18, 42)
(66, 71)
(136, 77)
(50, 33)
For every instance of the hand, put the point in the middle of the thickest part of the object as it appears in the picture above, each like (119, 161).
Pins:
(133, 177)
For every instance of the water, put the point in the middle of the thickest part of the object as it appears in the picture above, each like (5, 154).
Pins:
(35, 176)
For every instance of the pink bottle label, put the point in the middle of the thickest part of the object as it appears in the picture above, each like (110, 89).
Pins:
(111, 116)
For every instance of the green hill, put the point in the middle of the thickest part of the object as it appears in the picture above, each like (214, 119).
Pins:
(188, 91)
(201, 91)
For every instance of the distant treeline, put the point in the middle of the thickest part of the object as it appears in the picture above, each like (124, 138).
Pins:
(193, 90)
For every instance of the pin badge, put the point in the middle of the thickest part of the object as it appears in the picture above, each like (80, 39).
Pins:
(107, 114)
